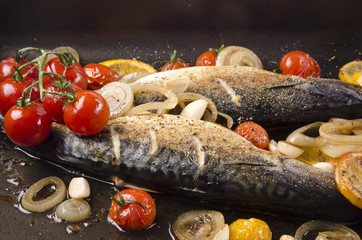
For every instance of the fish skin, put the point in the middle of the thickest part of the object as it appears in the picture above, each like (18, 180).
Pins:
(268, 98)
(199, 160)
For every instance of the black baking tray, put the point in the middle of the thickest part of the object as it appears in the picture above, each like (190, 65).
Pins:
(330, 31)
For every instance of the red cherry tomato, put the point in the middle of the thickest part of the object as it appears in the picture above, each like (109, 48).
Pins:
(178, 63)
(27, 126)
(174, 62)
(53, 105)
(207, 59)
(99, 75)
(255, 133)
(74, 73)
(11, 91)
(88, 114)
(300, 64)
(132, 216)
(7, 67)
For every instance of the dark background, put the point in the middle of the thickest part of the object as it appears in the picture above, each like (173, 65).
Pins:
(331, 31)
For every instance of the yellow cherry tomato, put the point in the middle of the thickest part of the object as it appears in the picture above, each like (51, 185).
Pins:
(249, 229)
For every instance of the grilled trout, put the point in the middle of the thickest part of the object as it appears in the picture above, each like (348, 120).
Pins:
(199, 160)
(270, 99)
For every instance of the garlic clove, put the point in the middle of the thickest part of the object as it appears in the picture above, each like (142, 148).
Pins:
(195, 109)
(79, 188)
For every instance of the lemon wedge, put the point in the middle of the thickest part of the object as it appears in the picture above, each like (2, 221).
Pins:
(348, 175)
(346, 73)
(124, 67)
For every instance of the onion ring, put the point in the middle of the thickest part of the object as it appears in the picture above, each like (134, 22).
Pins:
(170, 103)
(331, 131)
(45, 204)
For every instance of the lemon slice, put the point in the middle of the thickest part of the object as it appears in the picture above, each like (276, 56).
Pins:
(346, 72)
(124, 67)
(348, 175)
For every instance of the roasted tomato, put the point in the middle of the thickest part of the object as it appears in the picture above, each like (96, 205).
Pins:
(99, 75)
(299, 64)
(174, 63)
(255, 133)
(74, 72)
(88, 114)
(207, 59)
(133, 209)
(27, 126)
(54, 103)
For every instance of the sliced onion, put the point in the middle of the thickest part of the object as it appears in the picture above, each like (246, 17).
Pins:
(235, 55)
(335, 132)
(333, 229)
(289, 150)
(170, 103)
(177, 85)
(119, 97)
(199, 224)
(298, 137)
(229, 120)
(45, 204)
(62, 49)
(73, 210)
(336, 151)
(134, 76)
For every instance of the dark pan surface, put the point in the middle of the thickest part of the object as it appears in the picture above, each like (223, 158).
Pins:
(329, 31)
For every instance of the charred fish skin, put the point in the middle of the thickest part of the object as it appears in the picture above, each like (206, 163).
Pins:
(271, 99)
(186, 157)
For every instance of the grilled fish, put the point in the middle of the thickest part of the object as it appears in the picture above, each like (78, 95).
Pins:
(199, 160)
(270, 99)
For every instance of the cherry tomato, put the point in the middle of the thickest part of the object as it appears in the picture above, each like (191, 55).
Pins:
(74, 73)
(7, 67)
(53, 105)
(11, 91)
(174, 65)
(207, 59)
(27, 126)
(133, 216)
(99, 75)
(174, 62)
(300, 64)
(255, 133)
(88, 114)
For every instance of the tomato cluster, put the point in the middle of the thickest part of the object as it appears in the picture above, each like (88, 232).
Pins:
(32, 98)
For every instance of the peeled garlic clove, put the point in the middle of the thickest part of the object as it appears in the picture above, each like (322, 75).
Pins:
(289, 150)
(325, 166)
(195, 109)
(79, 188)
(177, 85)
